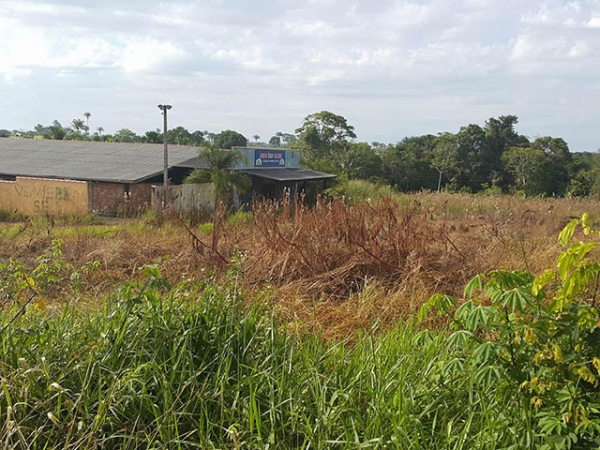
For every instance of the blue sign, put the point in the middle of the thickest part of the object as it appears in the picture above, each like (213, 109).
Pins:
(269, 158)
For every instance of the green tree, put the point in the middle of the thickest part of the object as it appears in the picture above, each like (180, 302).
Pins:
(275, 141)
(526, 164)
(500, 135)
(179, 136)
(557, 169)
(125, 135)
(324, 138)
(197, 137)
(153, 137)
(445, 156)
(78, 124)
(87, 116)
(229, 138)
(407, 165)
(363, 163)
(57, 131)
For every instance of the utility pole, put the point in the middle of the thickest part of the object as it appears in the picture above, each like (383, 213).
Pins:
(164, 109)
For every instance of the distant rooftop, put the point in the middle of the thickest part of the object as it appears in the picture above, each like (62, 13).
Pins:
(88, 160)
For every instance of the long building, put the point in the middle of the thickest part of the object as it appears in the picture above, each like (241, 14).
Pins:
(77, 177)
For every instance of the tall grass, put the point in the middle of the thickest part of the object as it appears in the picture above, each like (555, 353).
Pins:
(195, 368)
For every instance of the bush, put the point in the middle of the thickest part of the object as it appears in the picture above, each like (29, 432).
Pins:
(356, 191)
(538, 338)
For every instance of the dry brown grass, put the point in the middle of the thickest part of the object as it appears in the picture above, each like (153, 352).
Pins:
(333, 268)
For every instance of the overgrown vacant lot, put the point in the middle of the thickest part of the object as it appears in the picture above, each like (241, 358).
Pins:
(296, 328)
(333, 268)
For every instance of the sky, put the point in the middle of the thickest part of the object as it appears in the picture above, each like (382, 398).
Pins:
(391, 68)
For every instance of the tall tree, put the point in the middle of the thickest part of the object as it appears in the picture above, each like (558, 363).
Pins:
(78, 124)
(256, 137)
(57, 131)
(526, 165)
(445, 156)
(229, 138)
(323, 138)
(87, 116)
(125, 135)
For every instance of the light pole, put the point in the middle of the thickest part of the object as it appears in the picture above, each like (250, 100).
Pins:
(164, 109)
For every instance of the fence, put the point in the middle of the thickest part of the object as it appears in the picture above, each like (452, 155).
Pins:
(186, 197)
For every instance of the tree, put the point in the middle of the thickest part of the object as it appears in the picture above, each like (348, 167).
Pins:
(363, 162)
(179, 136)
(125, 135)
(197, 137)
(220, 163)
(323, 138)
(56, 131)
(41, 130)
(275, 141)
(256, 137)
(407, 165)
(500, 135)
(78, 124)
(557, 170)
(87, 116)
(445, 156)
(153, 137)
(229, 138)
(526, 165)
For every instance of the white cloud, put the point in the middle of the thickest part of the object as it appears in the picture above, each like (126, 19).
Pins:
(143, 55)
(374, 60)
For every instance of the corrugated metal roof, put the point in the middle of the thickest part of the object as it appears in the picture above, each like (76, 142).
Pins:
(85, 160)
(289, 174)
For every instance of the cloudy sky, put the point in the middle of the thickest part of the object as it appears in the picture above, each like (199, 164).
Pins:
(392, 68)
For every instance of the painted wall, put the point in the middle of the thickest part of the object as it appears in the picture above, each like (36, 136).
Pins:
(41, 196)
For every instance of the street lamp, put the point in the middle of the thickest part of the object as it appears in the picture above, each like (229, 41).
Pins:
(164, 109)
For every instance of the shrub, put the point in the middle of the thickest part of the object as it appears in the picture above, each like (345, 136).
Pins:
(538, 338)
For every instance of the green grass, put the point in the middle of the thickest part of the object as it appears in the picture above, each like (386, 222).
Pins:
(194, 368)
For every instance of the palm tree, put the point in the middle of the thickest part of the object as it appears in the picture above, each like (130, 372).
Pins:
(256, 137)
(226, 181)
(87, 116)
(78, 124)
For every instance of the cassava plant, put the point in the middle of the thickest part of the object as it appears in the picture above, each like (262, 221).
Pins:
(537, 338)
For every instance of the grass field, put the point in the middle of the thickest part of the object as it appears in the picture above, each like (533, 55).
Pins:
(279, 329)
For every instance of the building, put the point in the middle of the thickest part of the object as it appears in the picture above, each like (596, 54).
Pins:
(76, 177)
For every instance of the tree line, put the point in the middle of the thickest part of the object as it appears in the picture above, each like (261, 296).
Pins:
(490, 158)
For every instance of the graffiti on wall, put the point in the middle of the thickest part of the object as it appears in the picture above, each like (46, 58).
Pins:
(40, 196)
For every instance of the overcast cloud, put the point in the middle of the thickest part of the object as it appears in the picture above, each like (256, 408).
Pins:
(392, 68)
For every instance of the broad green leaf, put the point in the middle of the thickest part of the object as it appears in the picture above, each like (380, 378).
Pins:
(484, 352)
(464, 310)
(487, 374)
(516, 299)
(567, 233)
(453, 367)
(586, 224)
(476, 283)
(541, 281)
(459, 338)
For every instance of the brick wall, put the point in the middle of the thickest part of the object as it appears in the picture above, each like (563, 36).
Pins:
(118, 198)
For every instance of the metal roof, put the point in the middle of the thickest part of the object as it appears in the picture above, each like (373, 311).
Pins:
(88, 160)
(288, 174)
